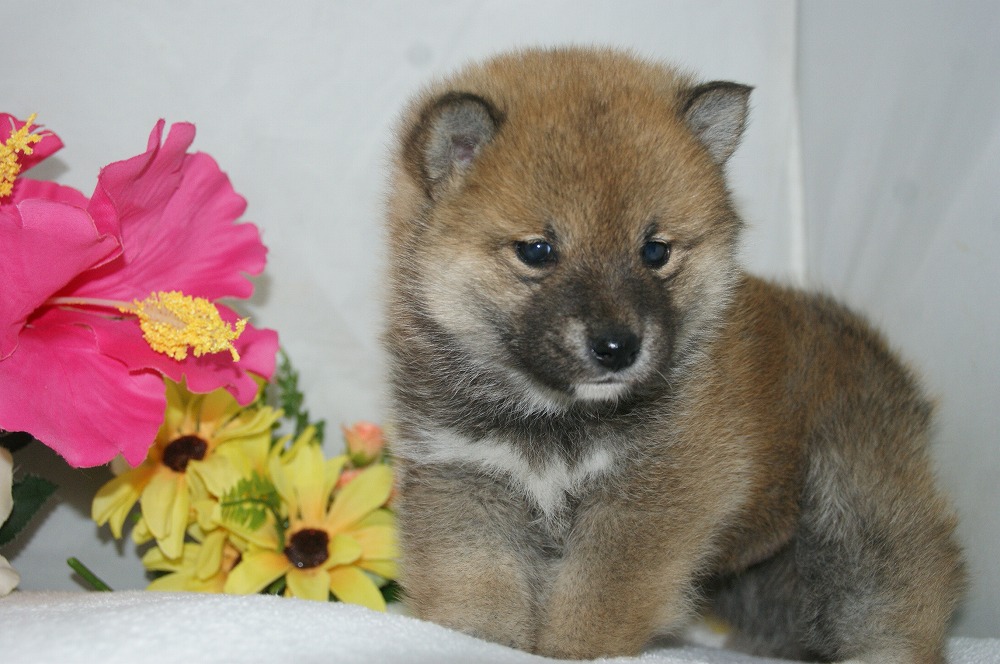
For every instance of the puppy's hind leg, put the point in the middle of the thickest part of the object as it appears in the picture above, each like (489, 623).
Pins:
(875, 552)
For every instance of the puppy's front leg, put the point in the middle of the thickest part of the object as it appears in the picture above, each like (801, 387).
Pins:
(626, 575)
(464, 567)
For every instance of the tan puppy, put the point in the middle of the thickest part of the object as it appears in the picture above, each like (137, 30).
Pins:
(603, 425)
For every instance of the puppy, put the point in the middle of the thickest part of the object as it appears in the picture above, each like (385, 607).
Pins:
(603, 425)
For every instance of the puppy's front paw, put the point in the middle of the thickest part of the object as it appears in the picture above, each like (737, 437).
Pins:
(569, 638)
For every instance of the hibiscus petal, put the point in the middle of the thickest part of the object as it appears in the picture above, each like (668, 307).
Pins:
(45, 245)
(178, 217)
(122, 339)
(49, 144)
(256, 571)
(26, 189)
(350, 584)
(60, 389)
(311, 584)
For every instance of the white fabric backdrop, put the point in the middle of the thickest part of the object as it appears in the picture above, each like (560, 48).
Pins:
(298, 104)
(901, 151)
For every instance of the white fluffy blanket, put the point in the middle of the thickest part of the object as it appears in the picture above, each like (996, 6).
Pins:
(137, 627)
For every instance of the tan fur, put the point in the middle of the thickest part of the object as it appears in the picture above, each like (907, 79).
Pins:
(765, 447)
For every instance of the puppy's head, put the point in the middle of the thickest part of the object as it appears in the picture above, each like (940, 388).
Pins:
(562, 216)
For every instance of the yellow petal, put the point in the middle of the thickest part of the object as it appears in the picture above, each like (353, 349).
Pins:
(140, 532)
(173, 418)
(216, 471)
(352, 585)
(256, 571)
(184, 582)
(380, 517)
(377, 542)
(158, 501)
(365, 493)
(247, 454)
(156, 561)
(209, 559)
(207, 513)
(165, 504)
(304, 473)
(215, 410)
(342, 550)
(115, 499)
(313, 583)
(175, 582)
(387, 569)
(334, 467)
(250, 423)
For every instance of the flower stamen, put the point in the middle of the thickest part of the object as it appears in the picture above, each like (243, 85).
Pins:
(19, 142)
(183, 450)
(308, 548)
(172, 321)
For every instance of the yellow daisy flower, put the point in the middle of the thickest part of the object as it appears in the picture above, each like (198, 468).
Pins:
(201, 567)
(184, 464)
(325, 546)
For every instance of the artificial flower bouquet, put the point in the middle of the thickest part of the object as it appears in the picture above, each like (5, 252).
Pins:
(114, 348)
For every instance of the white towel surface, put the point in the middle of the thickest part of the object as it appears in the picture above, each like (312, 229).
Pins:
(137, 627)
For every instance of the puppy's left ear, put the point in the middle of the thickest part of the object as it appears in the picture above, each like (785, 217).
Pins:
(451, 133)
(717, 114)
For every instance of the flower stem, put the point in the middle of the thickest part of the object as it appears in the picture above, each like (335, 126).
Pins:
(88, 576)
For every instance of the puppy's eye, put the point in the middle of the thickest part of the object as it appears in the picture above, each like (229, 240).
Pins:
(655, 254)
(535, 252)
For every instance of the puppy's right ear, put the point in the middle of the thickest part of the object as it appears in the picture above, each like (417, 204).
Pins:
(717, 114)
(451, 132)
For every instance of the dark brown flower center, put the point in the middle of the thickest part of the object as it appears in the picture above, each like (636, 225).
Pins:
(182, 450)
(308, 548)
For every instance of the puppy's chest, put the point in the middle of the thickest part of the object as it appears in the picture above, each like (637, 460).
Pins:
(550, 478)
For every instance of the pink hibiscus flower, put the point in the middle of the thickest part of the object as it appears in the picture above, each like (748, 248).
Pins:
(76, 370)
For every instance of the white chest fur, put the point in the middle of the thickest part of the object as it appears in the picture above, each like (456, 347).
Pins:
(547, 484)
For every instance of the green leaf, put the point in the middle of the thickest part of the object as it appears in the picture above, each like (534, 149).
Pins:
(29, 494)
(249, 502)
(276, 588)
(391, 592)
(291, 399)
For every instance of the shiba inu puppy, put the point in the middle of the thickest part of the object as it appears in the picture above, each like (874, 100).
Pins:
(602, 424)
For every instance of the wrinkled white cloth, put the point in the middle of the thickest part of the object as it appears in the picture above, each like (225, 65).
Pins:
(138, 627)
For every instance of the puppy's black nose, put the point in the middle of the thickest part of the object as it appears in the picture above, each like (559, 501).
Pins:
(615, 351)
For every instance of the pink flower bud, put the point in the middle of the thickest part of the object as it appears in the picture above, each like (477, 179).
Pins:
(364, 442)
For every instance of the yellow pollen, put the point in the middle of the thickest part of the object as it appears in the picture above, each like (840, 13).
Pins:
(20, 142)
(172, 321)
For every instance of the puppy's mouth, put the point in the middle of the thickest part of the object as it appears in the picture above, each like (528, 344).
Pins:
(605, 389)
